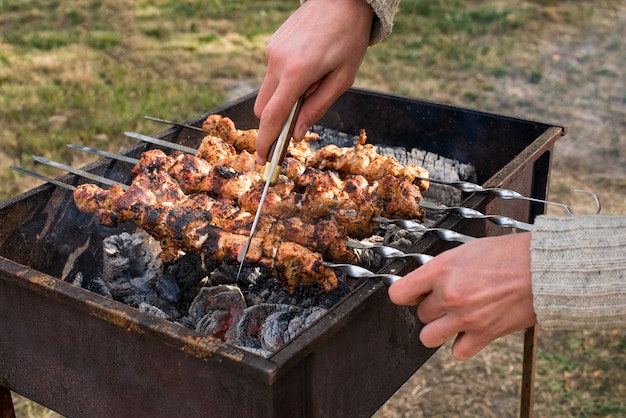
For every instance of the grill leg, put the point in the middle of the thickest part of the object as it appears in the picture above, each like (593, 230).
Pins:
(6, 403)
(528, 373)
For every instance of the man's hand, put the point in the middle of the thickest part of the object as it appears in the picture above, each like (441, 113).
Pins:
(317, 51)
(477, 292)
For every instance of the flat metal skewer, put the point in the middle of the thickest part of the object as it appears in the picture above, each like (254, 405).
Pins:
(469, 213)
(412, 226)
(506, 194)
(44, 178)
(169, 122)
(389, 252)
(105, 154)
(160, 142)
(361, 272)
(79, 172)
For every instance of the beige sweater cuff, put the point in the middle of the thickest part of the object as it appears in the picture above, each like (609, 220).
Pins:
(578, 269)
(384, 11)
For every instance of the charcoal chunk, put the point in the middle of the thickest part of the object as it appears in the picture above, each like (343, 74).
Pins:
(216, 310)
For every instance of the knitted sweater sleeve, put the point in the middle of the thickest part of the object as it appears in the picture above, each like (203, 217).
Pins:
(578, 267)
(384, 12)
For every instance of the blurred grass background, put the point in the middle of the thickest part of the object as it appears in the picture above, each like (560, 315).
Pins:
(85, 71)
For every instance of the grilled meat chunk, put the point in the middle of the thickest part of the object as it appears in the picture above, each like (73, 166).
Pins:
(292, 263)
(243, 140)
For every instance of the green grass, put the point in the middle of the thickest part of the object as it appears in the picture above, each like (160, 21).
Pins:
(99, 66)
(583, 375)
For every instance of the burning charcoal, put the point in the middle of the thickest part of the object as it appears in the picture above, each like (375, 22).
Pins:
(124, 253)
(215, 324)
(186, 322)
(121, 290)
(367, 258)
(332, 136)
(153, 310)
(130, 269)
(268, 290)
(249, 327)
(249, 276)
(302, 321)
(322, 299)
(135, 297)
(274, 328)
(216, 309)
(219, 277)
(77, 280)
(261, 290)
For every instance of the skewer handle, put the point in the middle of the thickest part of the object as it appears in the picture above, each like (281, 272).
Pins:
(279, 148)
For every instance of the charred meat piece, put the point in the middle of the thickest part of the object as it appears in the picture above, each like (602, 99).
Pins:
(243, 140)
(363, 159)
(292, 263)
(180, 223)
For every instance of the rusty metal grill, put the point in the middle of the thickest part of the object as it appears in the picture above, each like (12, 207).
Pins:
(85, 355)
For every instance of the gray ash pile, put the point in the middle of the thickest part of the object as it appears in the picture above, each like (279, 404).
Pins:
(255, 313)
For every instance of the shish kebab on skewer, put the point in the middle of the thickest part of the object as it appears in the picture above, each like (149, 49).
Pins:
(350, 269)
(192, 222)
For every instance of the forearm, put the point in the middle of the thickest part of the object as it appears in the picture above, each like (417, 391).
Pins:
(579, 271)
(384, 11)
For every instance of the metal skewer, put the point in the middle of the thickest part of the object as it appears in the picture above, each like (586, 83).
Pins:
(44, 178)
(169, 122)
(361, 272)
(469, 213)
(506, 194)
(412, 226)
(157, 141)
(79, 172)
(389, 252)
(106, 154)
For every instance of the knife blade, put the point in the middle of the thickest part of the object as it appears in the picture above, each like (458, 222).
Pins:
(272, 171)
